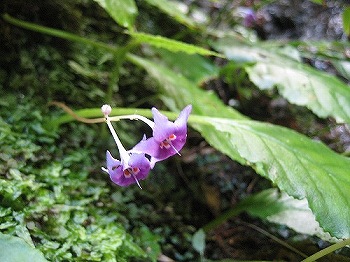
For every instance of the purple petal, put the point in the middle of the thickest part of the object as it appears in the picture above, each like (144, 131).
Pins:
(142, 163)
(163, 129)
(116, 170)
(149, 146)
(162, 126)
(181, 121)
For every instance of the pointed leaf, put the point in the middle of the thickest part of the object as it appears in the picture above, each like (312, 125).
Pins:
(301, 84)
(301, 167)
(171, 45)
(122, 11)
(16, 249)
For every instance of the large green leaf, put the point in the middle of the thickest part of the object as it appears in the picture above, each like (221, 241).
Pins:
(171, 45)
(15, 249)
(299, 166)
(122, 11)
(172, 9)
(301, 84)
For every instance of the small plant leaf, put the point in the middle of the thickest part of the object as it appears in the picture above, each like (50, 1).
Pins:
(172, 9)
(16, 249)
(198, 241)
(299, 166)
(171, 45)
(346, 20)
(300, 84)
(123, 12)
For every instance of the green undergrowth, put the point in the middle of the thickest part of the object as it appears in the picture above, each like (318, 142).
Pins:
(54, 196)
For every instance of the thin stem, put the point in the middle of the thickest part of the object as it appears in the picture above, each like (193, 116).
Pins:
(276, 239)
(133, 117)
(327, 250)
(75, 116)
(122, 151)
(58, 33)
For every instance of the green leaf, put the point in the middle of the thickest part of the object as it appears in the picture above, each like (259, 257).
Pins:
(279, 208)
(179, 91)
(13, 249)
(198, 241)
(343, 67)
(196, 68)
(346, 20)
(123, 12)
(299, 166)
(172, 9)
(171, 45)
(301, 84)
(320, 2)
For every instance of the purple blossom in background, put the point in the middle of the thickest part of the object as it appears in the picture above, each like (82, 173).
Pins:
(249, 17)
(127, 171)
(168, 137)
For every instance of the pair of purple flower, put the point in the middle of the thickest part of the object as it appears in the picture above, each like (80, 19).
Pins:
(167, 140)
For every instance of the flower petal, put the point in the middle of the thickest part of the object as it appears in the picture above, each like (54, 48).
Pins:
(140, 162)
(162, 126)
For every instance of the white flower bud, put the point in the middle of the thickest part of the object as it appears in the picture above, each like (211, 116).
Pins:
(106, 110)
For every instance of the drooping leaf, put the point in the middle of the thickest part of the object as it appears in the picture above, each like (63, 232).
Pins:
(173, 10)
(16, 249)
(301, 84)
(299, 166)
(279, 208)
(171, 45)
(123, 12)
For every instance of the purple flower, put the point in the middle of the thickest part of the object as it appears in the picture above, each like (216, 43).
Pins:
(249, 18)
(168, 137)
(132, 168)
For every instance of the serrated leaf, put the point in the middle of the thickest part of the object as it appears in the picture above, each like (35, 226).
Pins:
(301, 167)
(300, 84)
(13, 249)
(172, 9)
(171, 45)
(123, 12)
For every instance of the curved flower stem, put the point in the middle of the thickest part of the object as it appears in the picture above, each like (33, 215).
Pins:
(133, 117)
(327, 250)
(122, 151)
